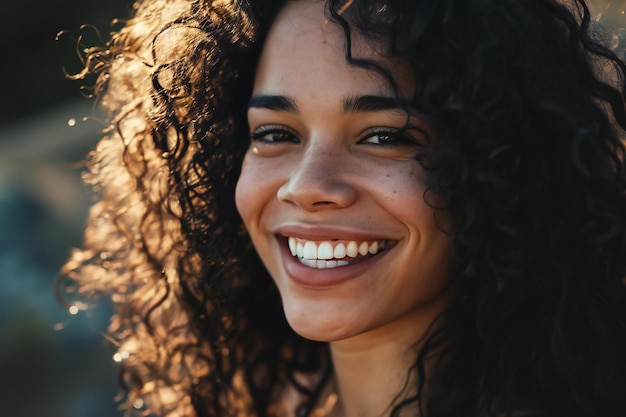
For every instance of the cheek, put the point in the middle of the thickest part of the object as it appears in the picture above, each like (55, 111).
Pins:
(405, 198)
(255, 191)
(254, 195)
(244, 193)
(403, 191)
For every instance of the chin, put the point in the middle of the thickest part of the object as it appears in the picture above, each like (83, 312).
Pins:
(315, 333)
(317, 323)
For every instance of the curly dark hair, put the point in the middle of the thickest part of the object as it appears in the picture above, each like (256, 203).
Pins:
(529, 104)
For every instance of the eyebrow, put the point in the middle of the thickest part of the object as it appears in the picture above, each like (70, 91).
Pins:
(278, 103)
(368, 103)
(353, 104)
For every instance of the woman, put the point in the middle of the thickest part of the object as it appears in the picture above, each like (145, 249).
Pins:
(361, 208)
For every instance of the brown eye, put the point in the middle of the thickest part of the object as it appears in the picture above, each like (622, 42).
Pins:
(274, 134)
(389, 137)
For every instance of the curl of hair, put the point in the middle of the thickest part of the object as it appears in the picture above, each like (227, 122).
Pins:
(529, 159)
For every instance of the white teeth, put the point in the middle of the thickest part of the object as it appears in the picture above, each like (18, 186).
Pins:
(322, 264)
(293, 246)
(309, 262)
(352, 250)
(340, 251)
(310, 250)
(325, 251)
(323, 255)
(373, 249)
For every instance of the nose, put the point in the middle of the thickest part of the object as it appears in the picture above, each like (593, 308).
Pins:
(319, 182)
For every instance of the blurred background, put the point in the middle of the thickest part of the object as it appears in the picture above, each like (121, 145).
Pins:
(53, 363)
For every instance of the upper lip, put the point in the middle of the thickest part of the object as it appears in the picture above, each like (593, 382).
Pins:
(315, 232)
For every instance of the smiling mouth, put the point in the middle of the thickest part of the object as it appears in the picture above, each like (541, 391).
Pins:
(333, 254)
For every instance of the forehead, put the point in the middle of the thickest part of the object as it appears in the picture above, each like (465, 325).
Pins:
(304, 47)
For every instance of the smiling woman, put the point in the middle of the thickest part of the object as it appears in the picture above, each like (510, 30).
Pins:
(337, 157)
(362, 208)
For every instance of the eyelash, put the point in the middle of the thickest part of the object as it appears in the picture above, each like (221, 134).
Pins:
(261, 132)
(398, 137)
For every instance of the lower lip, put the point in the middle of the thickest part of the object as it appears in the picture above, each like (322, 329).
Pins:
(323, 278)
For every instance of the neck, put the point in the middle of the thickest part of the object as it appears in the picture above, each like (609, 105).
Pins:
(371, 370)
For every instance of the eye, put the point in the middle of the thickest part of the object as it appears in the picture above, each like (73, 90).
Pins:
(274, 134)
(390, 137)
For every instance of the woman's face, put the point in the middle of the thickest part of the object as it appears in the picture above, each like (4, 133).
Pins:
(332, 197)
